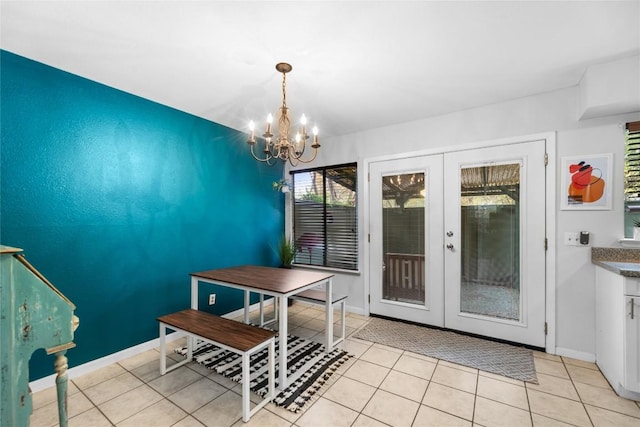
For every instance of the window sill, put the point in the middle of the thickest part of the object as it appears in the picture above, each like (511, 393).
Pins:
(332, 269)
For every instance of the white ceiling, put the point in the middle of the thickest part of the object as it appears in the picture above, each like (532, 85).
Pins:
(356, 64)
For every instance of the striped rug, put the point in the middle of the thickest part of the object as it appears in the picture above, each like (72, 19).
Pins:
(499, 358)
(309, 368)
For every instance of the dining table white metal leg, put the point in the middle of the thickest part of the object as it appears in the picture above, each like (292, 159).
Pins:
(247, 303)
(328, 326)
(282, 343)
(194, 293)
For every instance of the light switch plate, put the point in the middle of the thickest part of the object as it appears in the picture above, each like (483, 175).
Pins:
(572, 238)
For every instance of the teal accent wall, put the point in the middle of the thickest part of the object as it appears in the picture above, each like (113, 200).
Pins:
(116, 199)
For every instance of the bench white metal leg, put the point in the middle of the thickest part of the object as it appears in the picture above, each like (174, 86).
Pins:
(275, 311)
(318, 297)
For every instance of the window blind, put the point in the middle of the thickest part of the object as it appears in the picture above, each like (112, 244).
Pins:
(325, 217)
(632, 167)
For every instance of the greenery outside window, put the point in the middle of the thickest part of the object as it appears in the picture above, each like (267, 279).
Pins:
(325, 216)
(632, 167)
(632, 175)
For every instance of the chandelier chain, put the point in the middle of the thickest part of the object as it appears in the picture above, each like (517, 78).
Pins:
(284, 90)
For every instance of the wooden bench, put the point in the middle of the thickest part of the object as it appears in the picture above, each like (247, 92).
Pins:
(237, 337)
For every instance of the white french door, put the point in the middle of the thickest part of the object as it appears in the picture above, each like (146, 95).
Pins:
(494, 242)
(457, 240)
(406, 239)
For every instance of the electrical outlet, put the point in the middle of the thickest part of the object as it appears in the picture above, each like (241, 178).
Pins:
(572, 239)
(212, 299)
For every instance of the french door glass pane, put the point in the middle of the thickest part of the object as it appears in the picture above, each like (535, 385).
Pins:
(403, 222)
(490, 241)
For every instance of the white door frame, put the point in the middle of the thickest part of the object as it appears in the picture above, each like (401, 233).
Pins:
(550, 217)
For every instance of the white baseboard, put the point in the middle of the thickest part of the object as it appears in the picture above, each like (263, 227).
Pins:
(579, 355)
(96, 364)
(85, 368)
(354, 310)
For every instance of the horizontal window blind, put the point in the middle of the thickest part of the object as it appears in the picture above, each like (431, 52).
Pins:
(325, 217)
(632, 167)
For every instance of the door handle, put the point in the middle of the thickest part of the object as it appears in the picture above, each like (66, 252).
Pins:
(450, 247)
(632, 304)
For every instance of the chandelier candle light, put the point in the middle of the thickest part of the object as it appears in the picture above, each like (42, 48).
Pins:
(283, 147)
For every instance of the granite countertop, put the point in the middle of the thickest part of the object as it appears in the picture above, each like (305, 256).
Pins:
(622, 261)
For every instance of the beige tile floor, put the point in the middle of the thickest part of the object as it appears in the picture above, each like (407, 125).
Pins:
(380, 386)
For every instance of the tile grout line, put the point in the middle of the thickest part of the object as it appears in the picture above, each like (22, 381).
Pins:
(576, 390)
(475, 399)
(93, 404)
(526, 393)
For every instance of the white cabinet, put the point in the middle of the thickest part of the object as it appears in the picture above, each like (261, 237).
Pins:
(618, 331)
(632, 341)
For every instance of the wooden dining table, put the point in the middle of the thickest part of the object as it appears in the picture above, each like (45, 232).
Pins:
(280, 283)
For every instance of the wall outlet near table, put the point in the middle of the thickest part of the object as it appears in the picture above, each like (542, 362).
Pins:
(212, 299)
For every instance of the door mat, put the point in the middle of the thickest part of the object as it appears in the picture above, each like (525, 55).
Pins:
(490, 356)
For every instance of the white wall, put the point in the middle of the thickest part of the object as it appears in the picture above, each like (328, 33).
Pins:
(555, 111)
(575, 275)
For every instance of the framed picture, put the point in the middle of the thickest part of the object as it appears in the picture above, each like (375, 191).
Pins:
(586, 182)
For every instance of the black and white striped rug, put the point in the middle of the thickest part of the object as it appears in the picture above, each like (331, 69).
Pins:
(308, 368)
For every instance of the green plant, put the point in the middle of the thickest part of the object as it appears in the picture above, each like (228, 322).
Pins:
(312, 197)
(282, 185)
(287, 251)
